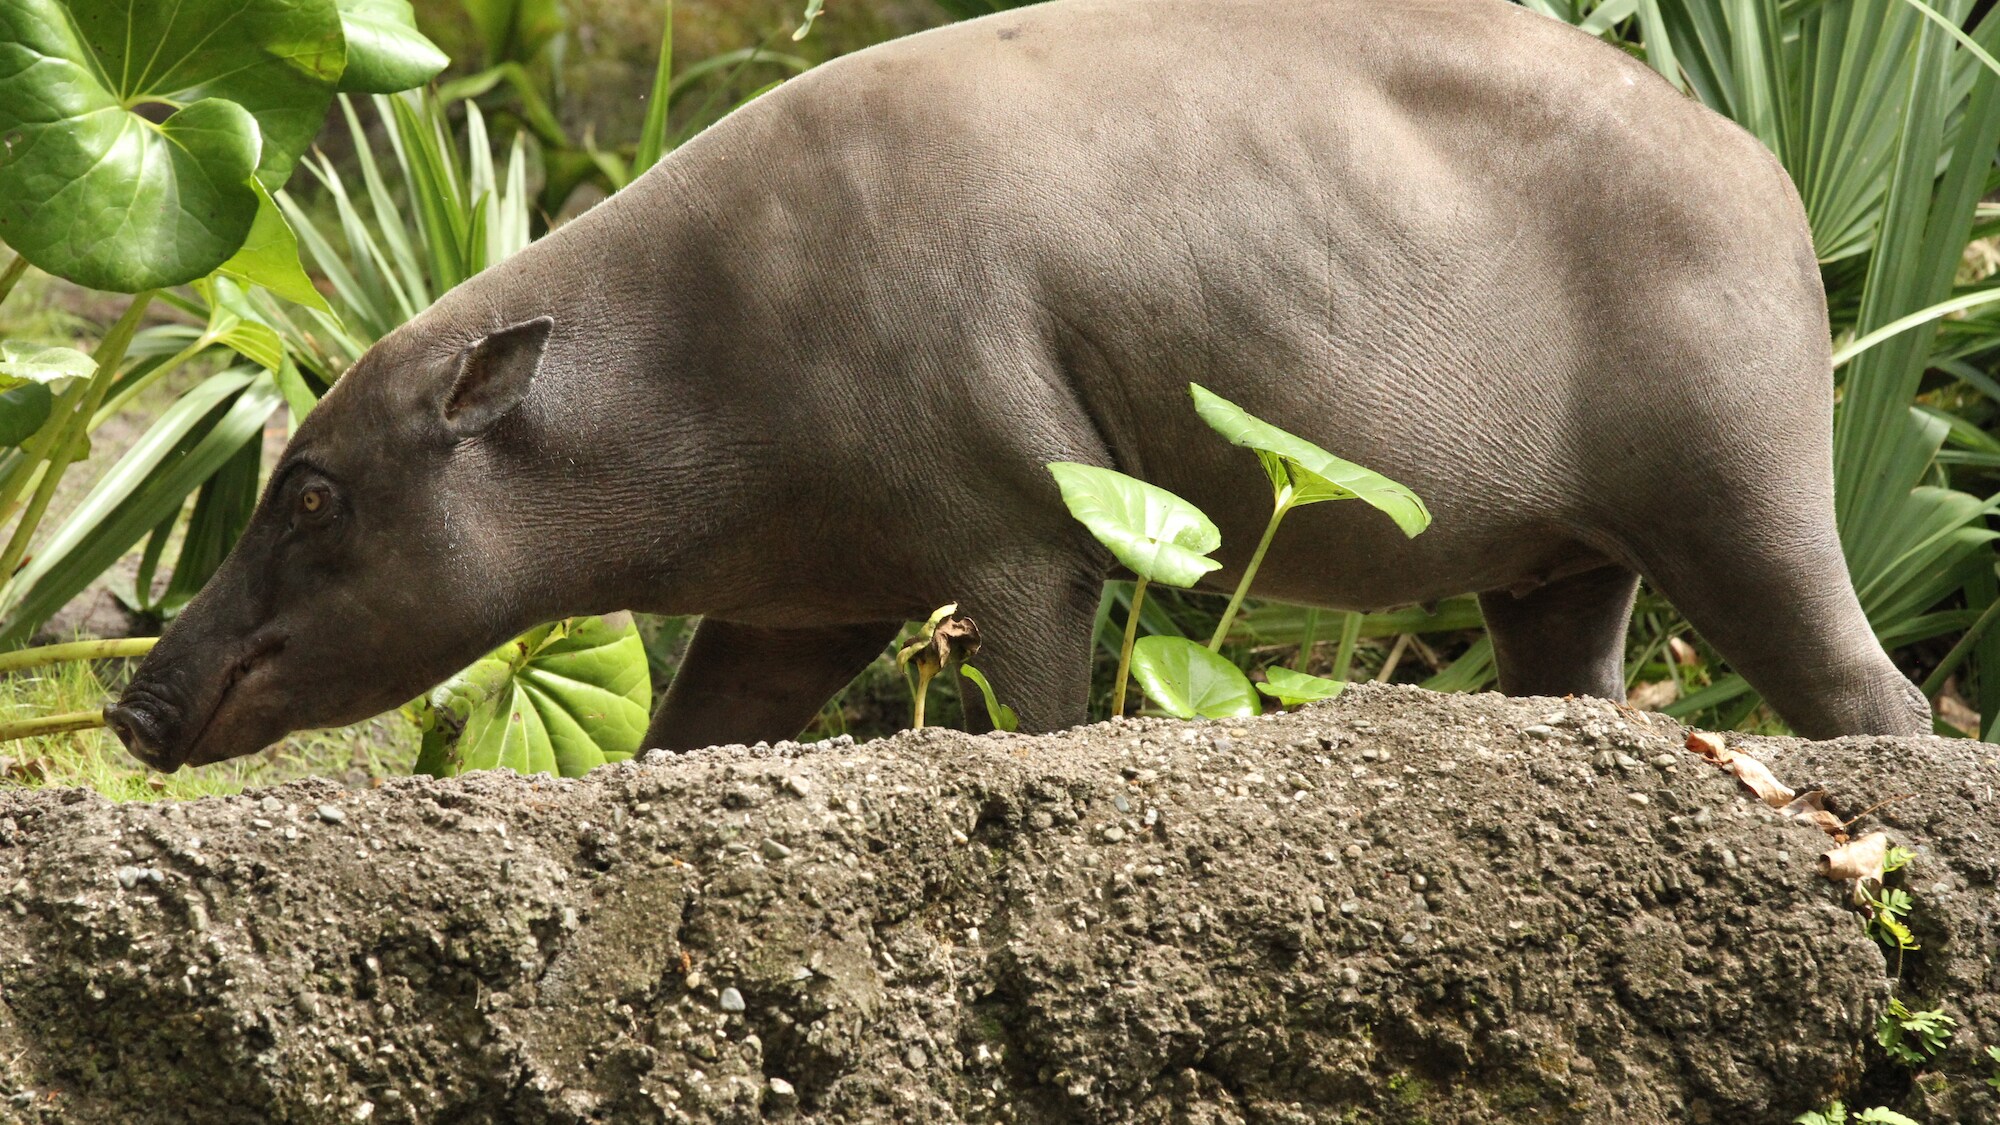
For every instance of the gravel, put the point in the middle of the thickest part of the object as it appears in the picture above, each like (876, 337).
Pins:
(1412, 914)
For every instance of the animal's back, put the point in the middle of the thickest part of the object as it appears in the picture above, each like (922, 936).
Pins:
(1445, 239)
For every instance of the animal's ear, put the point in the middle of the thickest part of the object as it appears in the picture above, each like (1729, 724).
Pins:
(494, 375)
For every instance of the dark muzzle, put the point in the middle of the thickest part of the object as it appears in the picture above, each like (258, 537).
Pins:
(147, 725)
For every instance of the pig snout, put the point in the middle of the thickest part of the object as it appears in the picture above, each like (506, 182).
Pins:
(148, 725)
(165, 711)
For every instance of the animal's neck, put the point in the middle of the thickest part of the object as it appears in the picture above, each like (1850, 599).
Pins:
(631, 475)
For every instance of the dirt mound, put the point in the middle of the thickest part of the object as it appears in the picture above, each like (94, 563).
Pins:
(1398, 907)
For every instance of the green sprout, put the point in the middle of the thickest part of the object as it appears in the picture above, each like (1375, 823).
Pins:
(1163, 538)
(1186, 679)
(1156, 534)
(1913, 1038)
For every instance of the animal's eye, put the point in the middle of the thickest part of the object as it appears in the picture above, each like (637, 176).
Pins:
(312, 500)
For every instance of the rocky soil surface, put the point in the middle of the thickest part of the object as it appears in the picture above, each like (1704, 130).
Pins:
(1397, 907)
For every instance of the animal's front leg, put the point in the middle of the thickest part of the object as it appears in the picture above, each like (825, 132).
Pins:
(748, 683)
(1035, 644)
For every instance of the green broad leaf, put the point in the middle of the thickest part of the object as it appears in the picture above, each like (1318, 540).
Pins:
(21, 361)
(237, 324)
(299, 397)
(1292, 688)
(1313, 474)
(129, 132)
(1186, 680)
(560, 699)
(1160, 536)
(24, 410)
(1881, 1116)
(269, 257)
(385, 51)
(507, 734)
(1002, 715)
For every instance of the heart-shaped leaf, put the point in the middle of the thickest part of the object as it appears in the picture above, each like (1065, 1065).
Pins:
(1293, 688)
(23, 412)
(1186, 680)
(1312, 473)
(563, 699)
(1160, 536)
(21, 361)
(130, 131)
(385, 51)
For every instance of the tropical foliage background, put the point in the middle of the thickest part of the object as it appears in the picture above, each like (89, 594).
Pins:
(441, 137)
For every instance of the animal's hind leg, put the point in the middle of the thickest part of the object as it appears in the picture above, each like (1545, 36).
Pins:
(1776, 602)
(1564, 638)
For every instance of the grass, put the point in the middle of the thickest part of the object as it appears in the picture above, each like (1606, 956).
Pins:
(93, 759)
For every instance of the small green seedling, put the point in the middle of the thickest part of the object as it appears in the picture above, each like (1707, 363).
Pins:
(1886, 910)
(1301, 473)
(1163, 538)
(1913, 1038)
(942, 642)
(1002, 715)
(1993, 1080)
(1836, 1114)
(1156, 534)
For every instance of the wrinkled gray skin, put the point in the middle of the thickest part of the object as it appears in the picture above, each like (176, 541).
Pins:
(802, 378)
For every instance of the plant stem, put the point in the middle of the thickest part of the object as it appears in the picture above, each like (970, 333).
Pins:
(139, 385)
(1396, 652)
(75, 650)
(1125, 651)
(12, 274)
(923, 693)
(1307, 640)
(51, 724)
(1350, 635)
(26, 469)
(1278, 511)
(71, 433)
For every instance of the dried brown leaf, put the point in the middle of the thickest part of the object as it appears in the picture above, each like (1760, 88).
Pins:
(1707, 745)
(951, 640)
(1754, 774)
(1811, 808)
(1653, 696)
(1861, 859)
(1953, 709)
(28, 770)
(1682, 652)
(956, 640)
(1759, 779)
